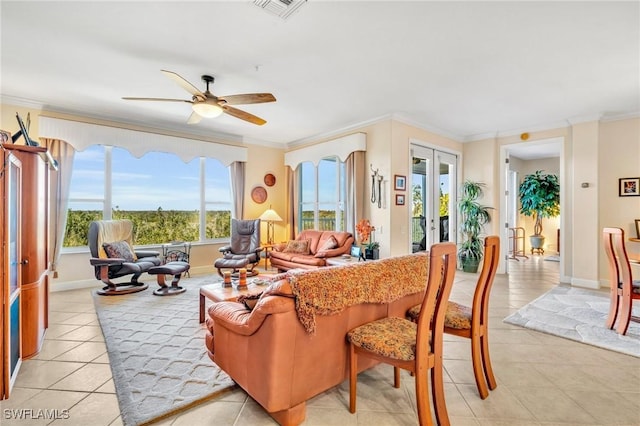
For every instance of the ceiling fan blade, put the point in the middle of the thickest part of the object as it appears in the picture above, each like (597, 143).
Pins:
(185, 84)
(194, 118)
(248, 98)
(156, 99)
(243, 115)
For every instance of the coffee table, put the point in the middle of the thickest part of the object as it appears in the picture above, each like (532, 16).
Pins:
(337, 261)
(217, 293)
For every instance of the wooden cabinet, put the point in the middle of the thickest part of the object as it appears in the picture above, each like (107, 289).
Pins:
(24, 250)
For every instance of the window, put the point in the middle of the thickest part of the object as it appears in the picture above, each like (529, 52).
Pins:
(322, 194)
(166, 198)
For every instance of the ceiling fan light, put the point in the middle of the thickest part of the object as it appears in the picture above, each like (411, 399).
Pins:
(207, 110)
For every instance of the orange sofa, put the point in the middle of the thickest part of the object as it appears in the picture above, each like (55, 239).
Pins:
(317, 252)
(291, 346)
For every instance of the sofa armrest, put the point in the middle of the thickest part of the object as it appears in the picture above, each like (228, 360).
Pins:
(279, 246)
(238, 319)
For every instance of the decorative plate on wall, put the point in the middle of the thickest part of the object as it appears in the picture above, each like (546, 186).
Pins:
(259, 194)
(269, 179)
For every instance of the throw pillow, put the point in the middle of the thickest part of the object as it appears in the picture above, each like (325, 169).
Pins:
(120, 250)
(329, 244)
(297, 246)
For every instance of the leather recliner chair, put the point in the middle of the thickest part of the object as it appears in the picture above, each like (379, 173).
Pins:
(113, 256)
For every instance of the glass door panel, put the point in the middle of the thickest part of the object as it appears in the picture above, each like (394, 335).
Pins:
(12, 313)
(433, 197)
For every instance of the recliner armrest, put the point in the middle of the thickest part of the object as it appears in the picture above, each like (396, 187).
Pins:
(224, 249)
(146, 253)
(96, 261)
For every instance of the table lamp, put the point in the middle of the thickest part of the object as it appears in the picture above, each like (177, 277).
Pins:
(270, 216)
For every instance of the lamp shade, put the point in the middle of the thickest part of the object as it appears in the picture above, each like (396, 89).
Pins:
(270, 216)
(206, 109)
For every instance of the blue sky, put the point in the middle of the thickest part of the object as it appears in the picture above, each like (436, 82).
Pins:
(156, 180)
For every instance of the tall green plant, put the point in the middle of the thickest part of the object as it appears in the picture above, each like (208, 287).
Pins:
(473, 216)
(539, 197)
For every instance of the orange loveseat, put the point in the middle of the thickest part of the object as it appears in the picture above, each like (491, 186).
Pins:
(291, 346)
(321, 245)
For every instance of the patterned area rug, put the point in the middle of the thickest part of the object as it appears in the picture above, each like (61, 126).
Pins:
(579, 315)
(157, 353)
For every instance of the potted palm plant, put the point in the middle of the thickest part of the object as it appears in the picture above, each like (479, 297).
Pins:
(473, 216)
(539, 197)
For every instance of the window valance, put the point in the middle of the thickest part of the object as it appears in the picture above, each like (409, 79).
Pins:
(82, 135)
(341, 148)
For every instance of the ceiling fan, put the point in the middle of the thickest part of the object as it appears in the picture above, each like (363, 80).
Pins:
(206, 104)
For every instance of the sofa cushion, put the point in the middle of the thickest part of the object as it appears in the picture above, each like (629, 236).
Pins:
(297, 246)
(119, 250)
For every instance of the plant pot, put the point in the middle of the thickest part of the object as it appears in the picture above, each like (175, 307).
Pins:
(372, 254)
(470, 265)
(536, 241)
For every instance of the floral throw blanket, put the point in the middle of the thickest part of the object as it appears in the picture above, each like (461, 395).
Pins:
(327, 291)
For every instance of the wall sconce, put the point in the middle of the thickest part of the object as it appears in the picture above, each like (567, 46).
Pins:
(376, 186)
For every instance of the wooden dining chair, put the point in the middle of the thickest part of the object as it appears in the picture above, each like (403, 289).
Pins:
(416, 347)
(623, 289)
(472, 322)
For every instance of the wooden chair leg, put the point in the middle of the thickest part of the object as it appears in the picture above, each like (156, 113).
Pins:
(624, 314)
(396, 377)
(353, 378)
(613, 309)
(422, 399)
(486, 362)
(476, 359)
(437, 390)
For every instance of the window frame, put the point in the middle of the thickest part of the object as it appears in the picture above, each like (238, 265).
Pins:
(340, 193)
(107, 197)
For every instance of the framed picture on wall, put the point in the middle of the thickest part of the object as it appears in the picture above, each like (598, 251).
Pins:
(629, 187)
(399, 182)
(400, 199)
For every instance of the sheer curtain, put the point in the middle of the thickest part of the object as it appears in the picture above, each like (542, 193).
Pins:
(355, 182)
(237, 175)
(59, 185)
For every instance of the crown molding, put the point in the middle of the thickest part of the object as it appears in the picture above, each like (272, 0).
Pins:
(21, 102)
(584, 118)
(261, 142)
(616, 117)
(337, 132)
(403, 118)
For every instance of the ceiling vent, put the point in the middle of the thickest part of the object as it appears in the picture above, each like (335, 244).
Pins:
(281, 8)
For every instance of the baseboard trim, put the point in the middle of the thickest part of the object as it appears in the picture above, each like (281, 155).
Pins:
(592, 284)
(56, 285)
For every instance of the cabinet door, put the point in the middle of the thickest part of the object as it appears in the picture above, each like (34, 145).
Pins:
(12, 292)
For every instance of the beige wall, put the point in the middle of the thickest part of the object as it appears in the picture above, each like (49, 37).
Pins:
(480, 165)
(618, 157)
(263, 160)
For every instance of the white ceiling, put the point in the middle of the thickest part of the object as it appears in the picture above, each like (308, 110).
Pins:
(463, 69)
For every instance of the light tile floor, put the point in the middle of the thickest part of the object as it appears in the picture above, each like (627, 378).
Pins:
(542, 379)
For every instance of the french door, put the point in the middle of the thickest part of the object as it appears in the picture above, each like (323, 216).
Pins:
(433, 197)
